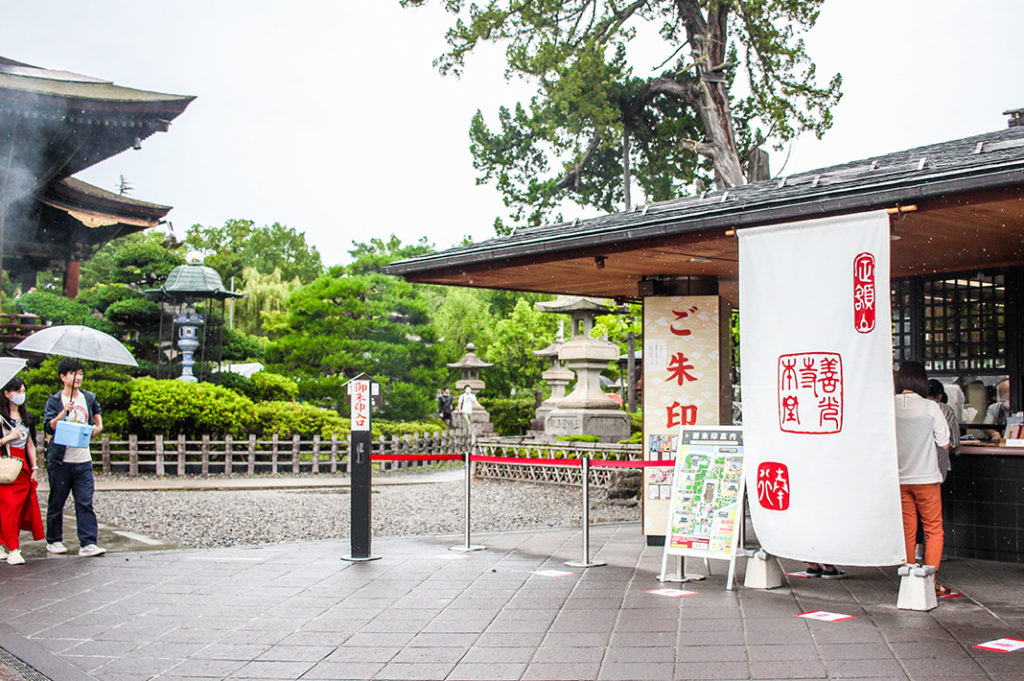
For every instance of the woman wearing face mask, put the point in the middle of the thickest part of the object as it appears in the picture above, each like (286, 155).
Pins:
(19, 506)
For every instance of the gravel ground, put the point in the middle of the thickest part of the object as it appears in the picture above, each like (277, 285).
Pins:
(204, 519)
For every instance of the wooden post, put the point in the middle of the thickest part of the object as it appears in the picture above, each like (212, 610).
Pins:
(159, 447)
(273, 454)
(334, 453)
(316, 453)
(205, 466)
(251, 466)
(228, 466)
(295, 453)
(105, 452)
(181, 454)
(133, 454)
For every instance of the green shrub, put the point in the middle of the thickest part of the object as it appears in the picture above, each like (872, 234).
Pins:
(101, 296)
(390, 428)
(171, 407)
(232, 381)
(269, 387)
(636, 422)
(325, 391)
(136, 313)
(578, 438)
(240, 346)
(289, 418)
(510, 416)
(55, 308)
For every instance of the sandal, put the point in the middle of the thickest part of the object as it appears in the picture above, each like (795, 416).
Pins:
(941, 590)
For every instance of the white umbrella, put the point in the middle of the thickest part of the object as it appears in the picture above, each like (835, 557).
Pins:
(9, 366)
(78, 341)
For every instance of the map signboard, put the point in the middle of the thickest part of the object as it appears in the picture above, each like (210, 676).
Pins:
(706, 507)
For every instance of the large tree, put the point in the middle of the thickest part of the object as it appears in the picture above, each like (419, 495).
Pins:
(733, 74)
(239, 244)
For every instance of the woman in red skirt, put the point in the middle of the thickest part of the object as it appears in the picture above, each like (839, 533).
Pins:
(19, 506)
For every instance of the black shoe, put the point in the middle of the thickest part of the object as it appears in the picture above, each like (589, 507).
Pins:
(832, 572)
(814, 572)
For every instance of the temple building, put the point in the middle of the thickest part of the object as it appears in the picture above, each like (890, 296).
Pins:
(54, 124)
(956, 229)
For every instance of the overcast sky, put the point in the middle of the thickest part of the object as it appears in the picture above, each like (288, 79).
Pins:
(328, 117)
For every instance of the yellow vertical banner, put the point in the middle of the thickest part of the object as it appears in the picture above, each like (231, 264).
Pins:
(682, 386)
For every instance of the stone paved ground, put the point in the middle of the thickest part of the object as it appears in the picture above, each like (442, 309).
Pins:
(295, 611)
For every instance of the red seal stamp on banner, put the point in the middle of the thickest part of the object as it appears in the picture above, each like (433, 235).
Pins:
(811, 393)
(773, 485)
(864, 298)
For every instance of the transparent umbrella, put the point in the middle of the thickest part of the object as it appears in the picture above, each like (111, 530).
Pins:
(9, 366)
(78, 341)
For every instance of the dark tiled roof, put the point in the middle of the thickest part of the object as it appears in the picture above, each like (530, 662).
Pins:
(990, 161)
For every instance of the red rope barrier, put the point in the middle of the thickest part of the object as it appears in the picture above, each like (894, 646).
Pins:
(416, 457)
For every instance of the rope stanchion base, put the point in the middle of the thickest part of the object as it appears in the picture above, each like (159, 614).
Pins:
(359, 559)
(467, 549)
(582, 564)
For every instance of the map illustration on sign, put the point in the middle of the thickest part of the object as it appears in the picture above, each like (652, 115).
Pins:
(707, 493)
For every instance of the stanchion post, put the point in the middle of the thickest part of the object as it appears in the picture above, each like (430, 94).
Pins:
(468, 546)
(586, 562)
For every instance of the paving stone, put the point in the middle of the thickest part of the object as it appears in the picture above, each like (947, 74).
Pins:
(415, 671)
(484, 655)
(561, 671)
(636, 671)
(474, 671)
(718, 671)
(788, 669)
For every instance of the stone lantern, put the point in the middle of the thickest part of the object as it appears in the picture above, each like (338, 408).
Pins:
(557, 376)
(470, 366)
(587, 410)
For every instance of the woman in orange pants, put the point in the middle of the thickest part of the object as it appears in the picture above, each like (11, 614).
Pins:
(921, 431)
(19, 506)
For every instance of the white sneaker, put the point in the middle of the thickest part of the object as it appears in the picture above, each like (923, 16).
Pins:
(15, 558)
(91, 550)
(56, 547)
(3, 551)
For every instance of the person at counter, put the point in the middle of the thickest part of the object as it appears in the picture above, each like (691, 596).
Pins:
(998, 412)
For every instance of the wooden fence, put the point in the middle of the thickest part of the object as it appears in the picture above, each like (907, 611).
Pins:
(251, 456)
(163, 456)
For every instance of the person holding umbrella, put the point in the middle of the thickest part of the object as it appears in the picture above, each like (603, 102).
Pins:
(70, 468)
(19, 506)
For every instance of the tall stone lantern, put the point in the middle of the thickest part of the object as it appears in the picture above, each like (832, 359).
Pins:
(587, 410)
(470, 366)
(557, 376)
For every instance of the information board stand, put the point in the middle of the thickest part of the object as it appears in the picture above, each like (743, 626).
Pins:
(706, 507)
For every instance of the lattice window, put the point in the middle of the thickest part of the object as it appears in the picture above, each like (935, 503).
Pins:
(901, 334)
(964, 323)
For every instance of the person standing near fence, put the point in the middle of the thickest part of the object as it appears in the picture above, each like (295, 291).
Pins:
(467, 403)
(444, 407)
(19, 506)
(69, 469)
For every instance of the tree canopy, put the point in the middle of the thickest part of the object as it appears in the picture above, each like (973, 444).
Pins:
(732, 74)
(240, 243)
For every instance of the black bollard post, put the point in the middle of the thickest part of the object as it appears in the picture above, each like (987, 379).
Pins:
(362, 391)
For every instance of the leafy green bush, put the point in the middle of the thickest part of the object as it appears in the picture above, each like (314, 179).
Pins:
(390, 428)
(232, 381)
(171, 407)
(578, 438)
(240, 346)
(101, 296)
(289, 418)
(270, 387)
(510, 416)
(324, 391)
(636, 422)
(55, 308)
(136, 313)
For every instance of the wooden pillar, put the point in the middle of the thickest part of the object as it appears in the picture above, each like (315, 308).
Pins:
(71, 279)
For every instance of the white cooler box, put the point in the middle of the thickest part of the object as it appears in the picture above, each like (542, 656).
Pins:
(72, 434)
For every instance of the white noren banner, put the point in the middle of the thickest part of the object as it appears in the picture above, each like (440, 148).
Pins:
(816, 368)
